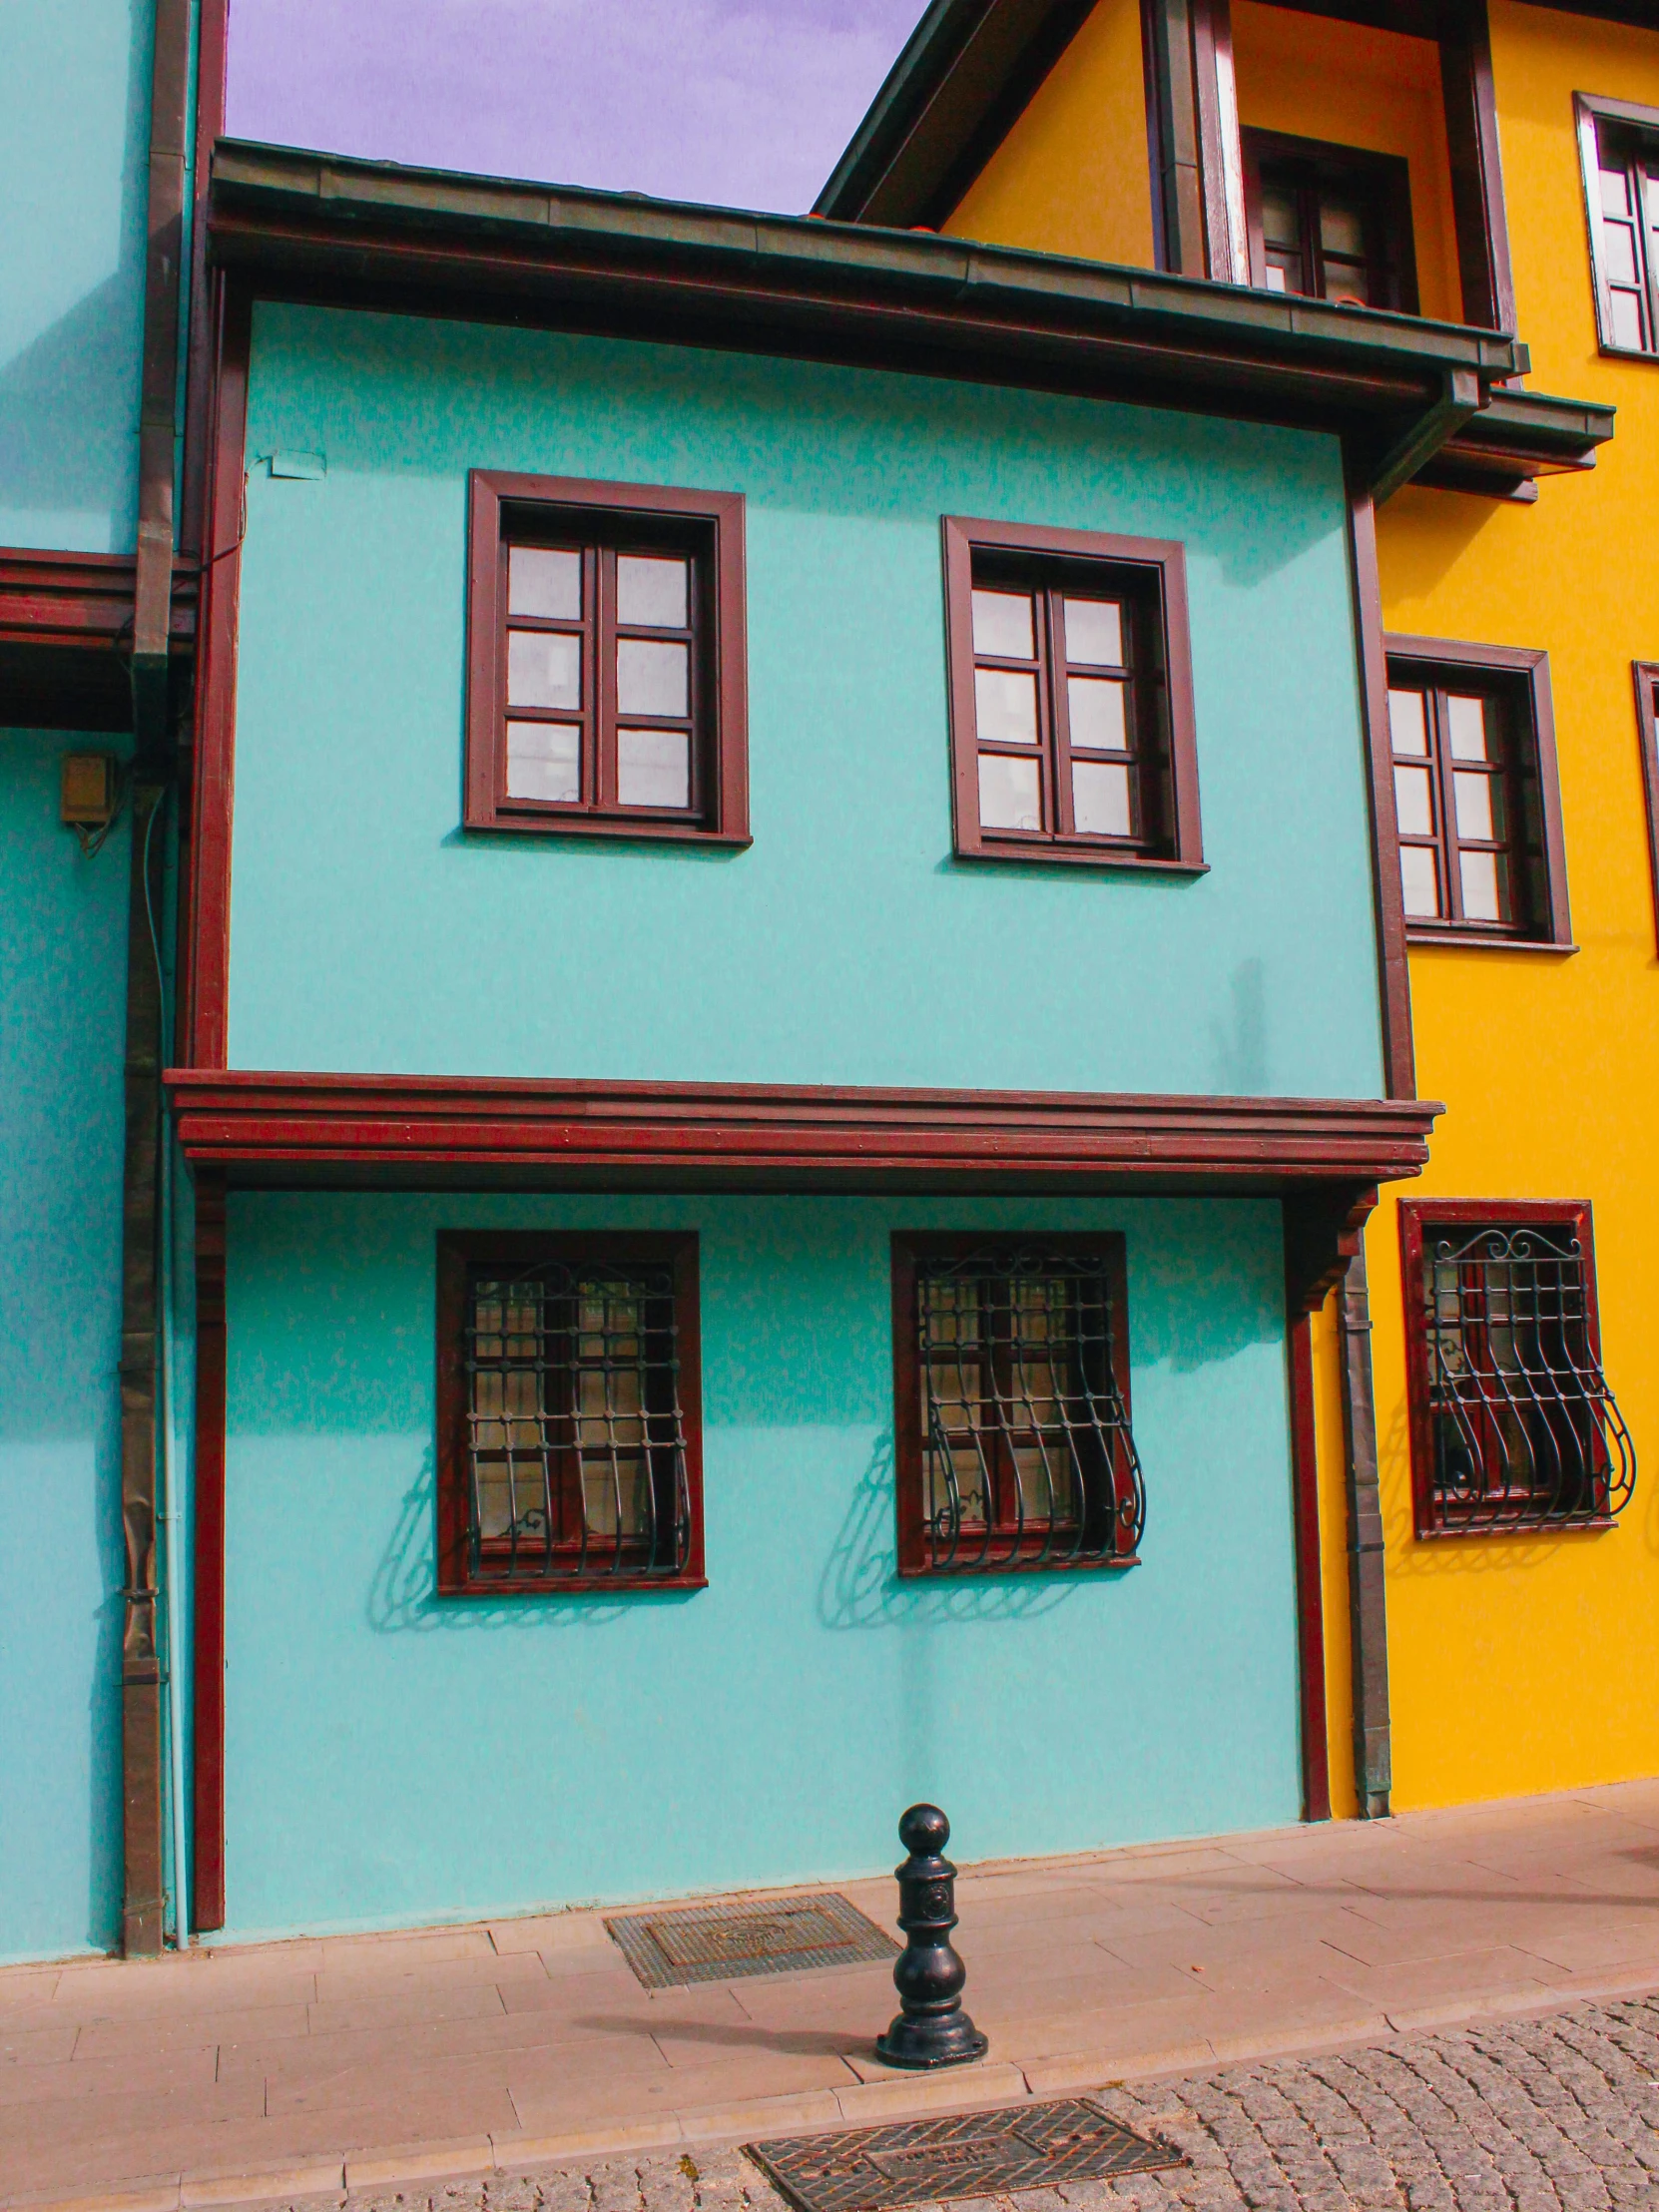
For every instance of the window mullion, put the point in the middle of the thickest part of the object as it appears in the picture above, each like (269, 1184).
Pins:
(1446, 802)
(1054, 709)
(601, 719)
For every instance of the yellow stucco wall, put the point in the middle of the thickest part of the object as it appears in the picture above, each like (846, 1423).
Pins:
(1073, 175)
(1318, 79)
(1533, 1663)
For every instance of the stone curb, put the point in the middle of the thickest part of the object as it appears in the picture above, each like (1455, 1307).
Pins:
(900, 2097)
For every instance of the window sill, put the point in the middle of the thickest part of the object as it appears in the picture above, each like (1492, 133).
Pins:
(1627, 352)
(631, 829)
(1481, 941)
(973, 1572)
(1071, 856)
(578, 1585)
(1528, 1529)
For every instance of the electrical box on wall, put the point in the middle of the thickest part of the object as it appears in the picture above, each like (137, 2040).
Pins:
(88, 791)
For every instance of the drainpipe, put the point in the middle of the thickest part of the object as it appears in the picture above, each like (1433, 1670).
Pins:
(144, 1908)
(1367, 1613)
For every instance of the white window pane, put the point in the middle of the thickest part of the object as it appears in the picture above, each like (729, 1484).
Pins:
(1002, 624)
(1618, 242)
(1408, 721)
(1413, 804)
(652, 679)
(1473, 799)
(1467, 728)
(1416, 878)
(1626, 312)
(1480, 887)
(1006, 706)
(543, 581)
(651, 591)
(1098, 716)
(1100, 798)
(653, 767)
(1274, 279)
(544, 668)
(1615, 192)
(1094, 632)
(544, 761)
(1008, 793)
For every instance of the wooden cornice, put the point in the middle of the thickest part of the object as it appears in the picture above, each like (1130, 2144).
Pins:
(66, 631)
(435, 1131)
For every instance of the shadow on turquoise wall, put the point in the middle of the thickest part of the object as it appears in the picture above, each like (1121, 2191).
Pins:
(73, 156)
(396, 1757)
(63, 949)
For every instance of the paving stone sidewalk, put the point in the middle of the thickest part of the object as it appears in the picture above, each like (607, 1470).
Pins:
(1559, 2115)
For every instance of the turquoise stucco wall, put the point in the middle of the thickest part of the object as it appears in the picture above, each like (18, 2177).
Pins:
(396, 1757)
(74, 155)
(63, 949)
(846, 945)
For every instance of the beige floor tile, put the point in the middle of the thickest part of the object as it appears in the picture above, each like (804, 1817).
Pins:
(551, 2106)
(363, 1977)
(403, 1949)
(464, 2000)
(552, 1934)
(30, 1985)
(35, 2046)
(83, 2078)
(1428, 1980)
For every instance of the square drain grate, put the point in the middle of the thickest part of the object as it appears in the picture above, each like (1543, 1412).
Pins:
(720, 1943)
(971, 2154)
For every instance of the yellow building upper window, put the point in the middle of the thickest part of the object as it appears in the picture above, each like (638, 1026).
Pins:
(1620, 149)
(1329, 221)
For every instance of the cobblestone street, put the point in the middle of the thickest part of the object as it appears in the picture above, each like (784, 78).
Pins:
(1559, 2114)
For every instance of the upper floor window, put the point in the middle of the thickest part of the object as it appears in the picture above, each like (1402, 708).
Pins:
(1619, 147)
(1514, 1424)
(605, 660)
(1476, 804)
(1011, 1380)
(569, 1434)
(1647, 725)
(1329, 221)
(1071, 712)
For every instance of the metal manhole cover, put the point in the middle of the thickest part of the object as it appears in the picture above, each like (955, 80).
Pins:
(720, 1943)
(974, 2154)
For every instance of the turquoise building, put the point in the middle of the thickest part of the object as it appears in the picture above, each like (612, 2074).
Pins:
(780, 1013)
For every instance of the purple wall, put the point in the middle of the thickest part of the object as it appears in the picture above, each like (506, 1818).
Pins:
(747, 103)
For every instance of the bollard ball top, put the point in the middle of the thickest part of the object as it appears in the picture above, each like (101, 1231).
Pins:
(923, 1831)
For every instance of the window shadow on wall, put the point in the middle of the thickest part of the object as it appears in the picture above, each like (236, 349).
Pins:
(859, 1585)
(404, 1598)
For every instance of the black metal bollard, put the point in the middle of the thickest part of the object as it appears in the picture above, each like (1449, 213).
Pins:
(931, 2029)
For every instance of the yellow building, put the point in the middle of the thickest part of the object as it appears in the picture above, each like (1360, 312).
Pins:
(1497, 165)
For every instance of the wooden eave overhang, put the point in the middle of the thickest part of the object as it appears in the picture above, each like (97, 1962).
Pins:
(1516, 437)
(66, 634)
(297, 1130)
(300, 225)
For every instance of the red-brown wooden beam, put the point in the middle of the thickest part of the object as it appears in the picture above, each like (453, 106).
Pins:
(437, 1130)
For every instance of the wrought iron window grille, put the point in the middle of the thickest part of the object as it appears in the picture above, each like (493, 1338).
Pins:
(1523, 1430)
(1027, 1459)
(576, 1445)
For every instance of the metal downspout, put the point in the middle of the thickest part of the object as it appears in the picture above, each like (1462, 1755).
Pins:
(143, 1920)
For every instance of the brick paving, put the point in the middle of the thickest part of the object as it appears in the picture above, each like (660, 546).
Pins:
(1559, 2115)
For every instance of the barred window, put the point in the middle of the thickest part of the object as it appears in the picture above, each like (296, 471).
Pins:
(1012, 1379)
(568, 1410)
(1513, 1423)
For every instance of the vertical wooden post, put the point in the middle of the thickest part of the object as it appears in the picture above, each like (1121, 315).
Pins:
(208, 1822)
(1176, 179)
(1309, 1594)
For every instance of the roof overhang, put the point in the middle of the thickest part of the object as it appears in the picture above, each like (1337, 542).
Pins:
(298, 225)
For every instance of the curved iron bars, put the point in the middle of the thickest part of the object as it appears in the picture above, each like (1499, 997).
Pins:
(576, 1439)
(1029, 1458)
(1525, 1430)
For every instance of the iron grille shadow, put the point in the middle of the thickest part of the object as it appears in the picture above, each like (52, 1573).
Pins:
(968, 2154)
(725, 1942)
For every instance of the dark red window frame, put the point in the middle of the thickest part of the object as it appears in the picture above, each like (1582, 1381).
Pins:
(1517, 680)
(599, 520)
(1536, 1435)
(1148, 575)
(1378, 187)
(556, 1559)
(1619, 140)
(1646, 674)
(1107, 1534)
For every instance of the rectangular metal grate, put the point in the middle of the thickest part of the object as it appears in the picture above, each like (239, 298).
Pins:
(721, 1943)
(971, 2154)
